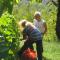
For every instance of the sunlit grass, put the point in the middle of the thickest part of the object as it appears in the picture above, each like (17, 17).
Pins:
(51, 50)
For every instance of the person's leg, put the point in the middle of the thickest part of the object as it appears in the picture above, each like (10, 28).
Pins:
(27, 44)
(39, 49)
(31, 46)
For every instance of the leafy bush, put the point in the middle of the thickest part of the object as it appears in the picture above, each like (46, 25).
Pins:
(9, 36)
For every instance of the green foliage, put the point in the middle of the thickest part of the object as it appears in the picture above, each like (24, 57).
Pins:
(17, 1)
(6, 5)
(49, 12)
(9, 36)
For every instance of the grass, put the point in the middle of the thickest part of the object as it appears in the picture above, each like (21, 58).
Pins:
(51, 50)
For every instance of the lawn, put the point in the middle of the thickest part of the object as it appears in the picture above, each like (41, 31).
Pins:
(51, 50)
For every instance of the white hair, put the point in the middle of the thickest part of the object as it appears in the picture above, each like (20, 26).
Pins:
(37, 13)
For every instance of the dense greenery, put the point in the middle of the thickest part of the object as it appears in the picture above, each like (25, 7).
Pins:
(6, 5)
(10, 35)
(49, 12)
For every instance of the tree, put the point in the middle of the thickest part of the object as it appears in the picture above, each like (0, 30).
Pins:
(6, 5)
(58, 21)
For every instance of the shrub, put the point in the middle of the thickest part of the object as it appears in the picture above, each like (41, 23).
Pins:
(9, 36)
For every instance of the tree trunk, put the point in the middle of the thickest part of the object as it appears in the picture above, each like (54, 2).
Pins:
(58, 21)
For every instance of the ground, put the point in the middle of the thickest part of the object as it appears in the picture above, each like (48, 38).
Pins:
(51, 50)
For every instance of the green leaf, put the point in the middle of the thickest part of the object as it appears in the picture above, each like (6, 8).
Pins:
(10, 51)
(7, 32)
(17, 1)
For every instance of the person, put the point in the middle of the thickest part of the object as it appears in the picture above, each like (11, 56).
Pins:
(40, 23)
(32, 35)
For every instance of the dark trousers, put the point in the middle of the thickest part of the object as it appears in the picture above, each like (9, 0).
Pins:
(29, 44)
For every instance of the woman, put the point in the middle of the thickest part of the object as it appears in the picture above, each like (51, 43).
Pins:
(31, 35)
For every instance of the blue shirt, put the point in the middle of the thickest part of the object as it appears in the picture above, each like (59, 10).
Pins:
(32, 33)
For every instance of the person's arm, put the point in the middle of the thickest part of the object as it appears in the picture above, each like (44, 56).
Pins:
(24, 35)
(35, 23)
(45, 25)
